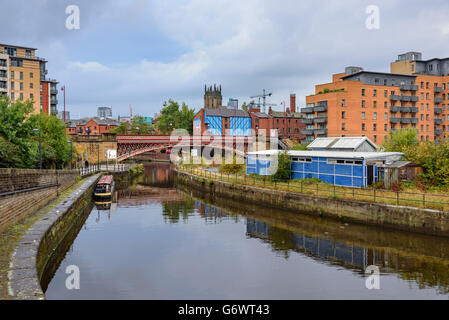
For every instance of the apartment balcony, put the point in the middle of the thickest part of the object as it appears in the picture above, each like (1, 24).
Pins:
(320, 120)
(438, 132)
(414, 109)
(307, 110)
(405, 120)
(307, 120)
(395, 97)
(414, 120)
(438, 100)
(409, 87)
(320, 108)
(394, 109)
(405, 109)
(53, 91)
(395, 120)
(307, 132)
(438, 121)
(54, 101)
(438, 110)
(320, 131)
(438, 89)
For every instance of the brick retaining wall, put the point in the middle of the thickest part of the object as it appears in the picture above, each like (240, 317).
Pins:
(398, 217)
(17, 205)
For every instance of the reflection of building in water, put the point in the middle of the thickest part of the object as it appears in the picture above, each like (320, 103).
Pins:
(210, 212)
(317, 247)
(158, 174)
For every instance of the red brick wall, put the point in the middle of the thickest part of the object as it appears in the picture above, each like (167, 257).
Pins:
(14, 207)
(45, 94)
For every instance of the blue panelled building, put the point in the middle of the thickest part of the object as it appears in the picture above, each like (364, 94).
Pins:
(349, 169)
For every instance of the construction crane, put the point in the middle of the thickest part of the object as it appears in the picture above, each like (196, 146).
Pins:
(264, 96)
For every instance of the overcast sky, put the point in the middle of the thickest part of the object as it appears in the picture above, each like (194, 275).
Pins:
(143, 52)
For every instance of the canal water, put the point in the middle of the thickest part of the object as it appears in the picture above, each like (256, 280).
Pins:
(160, 242)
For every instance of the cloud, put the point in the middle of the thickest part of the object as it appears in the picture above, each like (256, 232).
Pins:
(145, 52)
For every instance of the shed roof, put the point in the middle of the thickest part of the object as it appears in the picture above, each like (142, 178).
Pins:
(394, 156)
(340, 143)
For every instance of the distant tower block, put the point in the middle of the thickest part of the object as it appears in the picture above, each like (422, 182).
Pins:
(212, 97)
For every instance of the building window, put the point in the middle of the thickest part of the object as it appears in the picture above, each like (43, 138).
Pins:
(427, 96)
(363, 103)
(422, 128)
(375, 115)
(363, 92)
(422, 85)
(21, 85)
(343, 103)
(422, 96)
(31, 85)
(363, 115)
(375, 138)
(41, 88)
(42, 98)
(343, 126)
(12, 74)
(385, 127)
(31, 75)
(427, 117)
(422, 106)
(21, 75)
(374, 127)
(422, 117)
(363, 127)
(385, 116)
(12, 96)
(42, 108)
(386, 105)
(427, 85)
(374, 93)
(343, 114)
(12, 85)
(31, 96)
(386, 93)
(21, 96)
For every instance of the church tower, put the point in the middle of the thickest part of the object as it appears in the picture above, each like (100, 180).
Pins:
(212, 97)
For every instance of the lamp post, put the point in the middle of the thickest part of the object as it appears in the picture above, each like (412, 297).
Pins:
(40, 148)
(98, 156)
(71, 158)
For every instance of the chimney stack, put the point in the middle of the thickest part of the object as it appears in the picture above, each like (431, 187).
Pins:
(292, 103)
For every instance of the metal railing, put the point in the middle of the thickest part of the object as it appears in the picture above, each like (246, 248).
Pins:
(121, 167)
(398, 198)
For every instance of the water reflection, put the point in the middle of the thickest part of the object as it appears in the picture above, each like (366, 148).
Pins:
(165, 243)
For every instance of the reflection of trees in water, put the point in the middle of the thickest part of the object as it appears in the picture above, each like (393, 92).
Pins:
(175, 211)
(429, 275)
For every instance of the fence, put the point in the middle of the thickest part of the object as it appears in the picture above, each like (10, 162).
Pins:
(398, 198)
(84, 171)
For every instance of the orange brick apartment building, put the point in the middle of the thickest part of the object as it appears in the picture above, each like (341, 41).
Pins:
(415, 94)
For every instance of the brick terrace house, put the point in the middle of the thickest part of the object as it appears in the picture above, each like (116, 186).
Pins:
(91, 126)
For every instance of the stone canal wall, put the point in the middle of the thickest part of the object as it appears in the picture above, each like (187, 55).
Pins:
(23, 191)
(36, 248)
(399, 217)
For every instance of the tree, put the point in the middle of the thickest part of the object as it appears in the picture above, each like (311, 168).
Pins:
(139, 126)
(16, 135)
(401, 140)
(122, 128)
(244, 106)
(284, 169)
(19, 145)
(174, 118)
(55, 149)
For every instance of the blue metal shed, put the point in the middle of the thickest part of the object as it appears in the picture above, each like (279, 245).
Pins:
(349, 169)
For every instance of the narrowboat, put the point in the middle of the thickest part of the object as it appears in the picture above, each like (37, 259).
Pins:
(105, 187)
